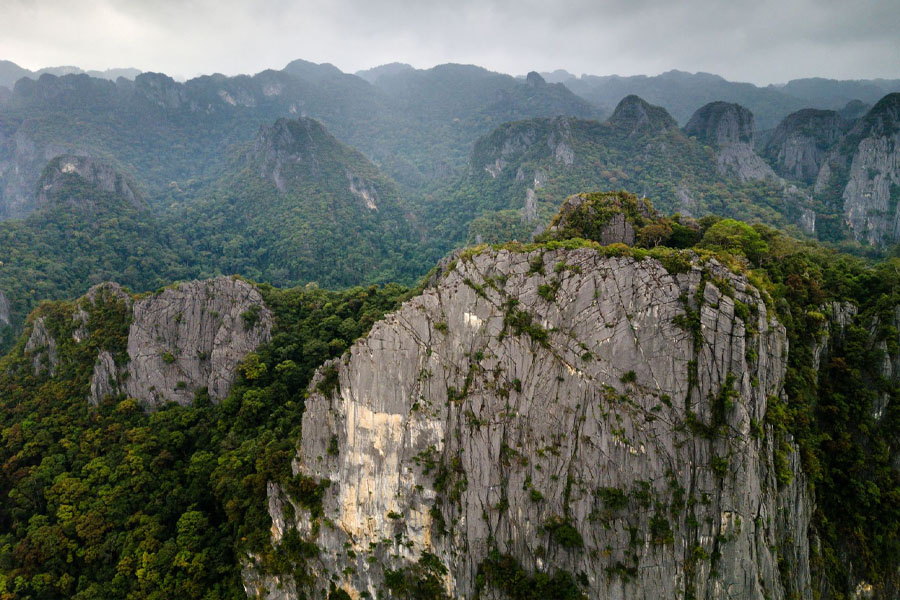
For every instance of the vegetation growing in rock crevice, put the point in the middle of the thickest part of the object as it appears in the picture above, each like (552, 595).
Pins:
(111, 501)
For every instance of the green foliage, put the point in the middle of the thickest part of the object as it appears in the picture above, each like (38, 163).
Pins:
(420, 581)
(735, 237)
(506, 574)
(522, 322)
(114, 502)
(660, 530)
(563, 533)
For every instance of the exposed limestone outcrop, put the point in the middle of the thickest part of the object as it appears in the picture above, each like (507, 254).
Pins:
(4, 309)
(720, 123)
(866, 164)
(363, 190)
(186, 338)
(740, 160)
(605, 218)
(799, 144)
(161, 90)
(189, 337)
(730, 129)
(301, 150)
(93, 172)
(637, 116)
(508, 143)
(42, 348)
(287, 141)
(534, 79)
(560, 141)
(547, 407)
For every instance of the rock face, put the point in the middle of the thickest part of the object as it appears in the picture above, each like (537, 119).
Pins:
(548, 410)
(637, 116)
(719, 123)
(294, 151)
(4, 309)
(42, 348)
(509, 143)
(161, 90)
(799, 144)
(92, 172)
(186, 338)
(189, 337)
(730, 129)
(22, 160)
(866, 166)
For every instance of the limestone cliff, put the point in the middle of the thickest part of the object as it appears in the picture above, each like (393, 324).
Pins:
(636, 116)
(4, 309)
(98, 175)
(186, 338)
(189, 337)
(862, 174)
(799, 144)
(590, 417)
(730, 129)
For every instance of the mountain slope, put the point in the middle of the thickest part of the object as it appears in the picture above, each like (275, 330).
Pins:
(798, 146)
(694, 394)
(683, 93)
(92, 226)
(299, 206)
(860, 176)
(160, 131)
(431, 464)
(520, 174)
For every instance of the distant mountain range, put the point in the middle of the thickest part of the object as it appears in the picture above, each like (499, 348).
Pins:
(683, 93)
(310, 174)
(10, 73)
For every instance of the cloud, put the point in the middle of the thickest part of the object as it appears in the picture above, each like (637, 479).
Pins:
(764, 41)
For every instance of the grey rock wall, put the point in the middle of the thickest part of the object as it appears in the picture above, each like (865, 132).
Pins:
(4, 309)
(719, 123)
(193, 336)
(799, 144)
(99, 174)
(872, 193)
(505, 402)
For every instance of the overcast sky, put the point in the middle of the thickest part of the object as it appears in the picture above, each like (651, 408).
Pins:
(761, 41)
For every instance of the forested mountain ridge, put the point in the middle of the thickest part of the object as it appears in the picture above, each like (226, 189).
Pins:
(161, 131)
(520, 174)
(830, 177)
(281, 208)
(683, 93)
(417, 125)
(299, 206)
(92, 226)
(10, 73)
(295, 206)
(861, 175)
(766, 461)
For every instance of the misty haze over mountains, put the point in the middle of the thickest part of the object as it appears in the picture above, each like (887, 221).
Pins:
(438, 333)
(679, 92)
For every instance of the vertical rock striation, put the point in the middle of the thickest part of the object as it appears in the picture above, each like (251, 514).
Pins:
(862, 174)
(594, 418)
(799, 144)
(189, 337)
(730, 129)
